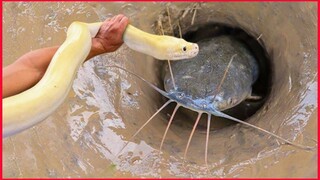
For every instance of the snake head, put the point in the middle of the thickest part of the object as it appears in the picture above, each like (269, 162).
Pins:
(183, 50)
(178, 49)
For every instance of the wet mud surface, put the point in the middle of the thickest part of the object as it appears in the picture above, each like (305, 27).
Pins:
(107, 106)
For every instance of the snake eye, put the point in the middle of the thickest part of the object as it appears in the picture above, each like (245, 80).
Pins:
(184, 48)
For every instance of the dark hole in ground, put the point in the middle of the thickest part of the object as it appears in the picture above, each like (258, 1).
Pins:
(262, 87)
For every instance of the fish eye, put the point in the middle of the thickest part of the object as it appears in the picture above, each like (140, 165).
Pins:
(184, 48)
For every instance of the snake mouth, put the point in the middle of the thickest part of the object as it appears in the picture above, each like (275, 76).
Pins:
(193, 50)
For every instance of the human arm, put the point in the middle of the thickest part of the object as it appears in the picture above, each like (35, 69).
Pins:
(30, 68)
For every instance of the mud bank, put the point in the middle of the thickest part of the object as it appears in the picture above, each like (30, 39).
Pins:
(106, 106)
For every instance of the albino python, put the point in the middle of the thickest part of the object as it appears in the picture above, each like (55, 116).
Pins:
(32, 106)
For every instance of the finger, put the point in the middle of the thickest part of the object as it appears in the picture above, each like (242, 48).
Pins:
(107, 22)
(121, 22)
(119, 17)
(124, 20)
(114, 18)
(107, 19)
(110, 20)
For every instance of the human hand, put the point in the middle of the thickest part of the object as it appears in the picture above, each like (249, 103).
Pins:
(109, 37)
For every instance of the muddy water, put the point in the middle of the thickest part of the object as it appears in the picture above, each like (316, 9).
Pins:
(106, 106)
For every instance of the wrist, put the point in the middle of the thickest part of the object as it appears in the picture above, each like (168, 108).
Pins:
(95, 49)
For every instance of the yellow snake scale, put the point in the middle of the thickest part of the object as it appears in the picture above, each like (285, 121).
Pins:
(32, 106)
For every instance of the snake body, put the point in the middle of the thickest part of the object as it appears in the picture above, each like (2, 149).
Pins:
(32, 106)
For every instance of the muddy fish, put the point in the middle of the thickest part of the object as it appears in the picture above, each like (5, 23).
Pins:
(218, 78)
(198, 80)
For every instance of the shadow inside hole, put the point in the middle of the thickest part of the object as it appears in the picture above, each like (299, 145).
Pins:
(262, 87)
